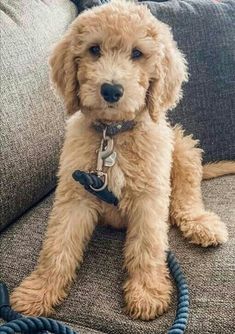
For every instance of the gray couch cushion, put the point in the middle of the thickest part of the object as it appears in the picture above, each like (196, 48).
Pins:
(205, 30)
(32, 120)
(96, 297)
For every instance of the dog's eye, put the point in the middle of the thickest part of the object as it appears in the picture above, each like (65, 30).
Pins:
(136, 54)
(95, 50)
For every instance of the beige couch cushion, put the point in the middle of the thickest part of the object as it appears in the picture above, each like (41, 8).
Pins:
(32, 119)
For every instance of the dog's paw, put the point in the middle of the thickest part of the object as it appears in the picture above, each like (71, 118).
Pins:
(206, 230)
(35, 297)
(149, 299)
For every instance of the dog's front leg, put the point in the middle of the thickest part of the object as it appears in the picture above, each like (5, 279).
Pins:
(147, 289)
(70, 227)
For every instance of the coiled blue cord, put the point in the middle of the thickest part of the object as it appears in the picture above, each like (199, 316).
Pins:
(182, 312)
(35, 325)
(28, 325)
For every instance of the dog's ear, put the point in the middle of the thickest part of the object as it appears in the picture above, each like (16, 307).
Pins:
(64, 74)
(164, 90)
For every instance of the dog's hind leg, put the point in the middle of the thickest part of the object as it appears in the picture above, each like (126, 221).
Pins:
(187, 210)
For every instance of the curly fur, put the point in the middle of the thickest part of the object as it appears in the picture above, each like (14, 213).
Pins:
(158, 169)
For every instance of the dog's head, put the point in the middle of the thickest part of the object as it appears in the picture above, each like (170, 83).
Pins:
(115, 61)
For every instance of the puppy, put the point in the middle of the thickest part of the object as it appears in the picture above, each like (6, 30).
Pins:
(119, 64)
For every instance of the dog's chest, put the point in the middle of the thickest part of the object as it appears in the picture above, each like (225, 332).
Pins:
(123, 167)
(129, 167)
(116, 179)
(143, 160)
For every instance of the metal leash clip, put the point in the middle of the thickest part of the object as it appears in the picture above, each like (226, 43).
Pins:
(106, 157)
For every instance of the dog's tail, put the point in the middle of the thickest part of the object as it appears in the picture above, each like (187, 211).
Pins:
(220, 168)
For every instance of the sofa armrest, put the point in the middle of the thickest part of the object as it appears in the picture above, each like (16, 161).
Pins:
(32, 118)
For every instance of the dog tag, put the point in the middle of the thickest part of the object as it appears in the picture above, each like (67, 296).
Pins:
(110, 160)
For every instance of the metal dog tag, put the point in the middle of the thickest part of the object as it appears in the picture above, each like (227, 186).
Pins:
(110, 160)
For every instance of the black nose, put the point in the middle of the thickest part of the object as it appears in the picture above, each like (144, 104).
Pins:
(111, 93)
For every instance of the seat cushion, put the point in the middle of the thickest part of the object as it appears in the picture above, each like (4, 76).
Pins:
(32, 117)
(95, 301)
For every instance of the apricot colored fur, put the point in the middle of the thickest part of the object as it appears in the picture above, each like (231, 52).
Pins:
(158, 169)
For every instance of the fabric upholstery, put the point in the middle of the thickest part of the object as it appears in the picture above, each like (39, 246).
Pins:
(96, 300)
(204, 30)
(32, 120)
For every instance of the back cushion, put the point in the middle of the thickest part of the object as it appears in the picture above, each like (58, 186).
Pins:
(205, 30)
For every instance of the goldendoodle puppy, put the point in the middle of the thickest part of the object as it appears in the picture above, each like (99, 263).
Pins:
(118, 66)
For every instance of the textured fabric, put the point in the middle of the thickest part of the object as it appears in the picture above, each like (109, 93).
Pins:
(86, 4)
(31, 119)
(96, 299)
(82, 330)
(204, 30)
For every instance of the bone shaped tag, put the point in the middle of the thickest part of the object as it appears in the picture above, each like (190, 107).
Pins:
(110, 160)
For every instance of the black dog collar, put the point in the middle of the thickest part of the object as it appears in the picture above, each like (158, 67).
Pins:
(114, 128)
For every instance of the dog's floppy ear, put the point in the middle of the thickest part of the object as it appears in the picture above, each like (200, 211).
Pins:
(64, 74)
(164, 90)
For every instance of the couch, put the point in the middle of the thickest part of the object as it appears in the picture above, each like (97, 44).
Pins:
(32, 129)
